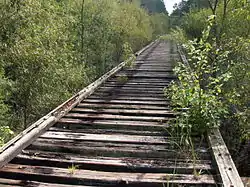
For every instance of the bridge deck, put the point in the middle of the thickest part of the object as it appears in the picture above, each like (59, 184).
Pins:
(117, 136)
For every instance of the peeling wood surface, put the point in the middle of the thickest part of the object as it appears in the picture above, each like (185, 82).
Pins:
(114, 133)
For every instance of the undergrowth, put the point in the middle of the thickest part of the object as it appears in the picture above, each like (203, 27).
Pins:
(198, 93)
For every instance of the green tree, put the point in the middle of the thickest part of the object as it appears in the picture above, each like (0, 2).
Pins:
(154, 6)
(160, 24)
(38, 58)
(5, 131)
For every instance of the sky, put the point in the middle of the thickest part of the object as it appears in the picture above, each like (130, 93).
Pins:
(169, 4)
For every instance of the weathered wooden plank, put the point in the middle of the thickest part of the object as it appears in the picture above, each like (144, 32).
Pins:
(116, 149)
(131, 88)
(111, 164)
(108, 151)
(197, 141)
(228, 172)
(121, 106)
(146, 68)
(107, 137)
(117, 117)
(137, 85)
(157, 50)
(128, 95)
(9, 152)
(151, 70)
(107, 130)
(86, 177)
(125, 111)
(130, 92)
(128, 99)
(78, 157)
(111, 143)
(134, 91)
(142, 58)
(28, 183)
(127, 84)
(143, 80)
(142, 62)
(124, 124)
(168, 146)
(155, 57)
(145, 74)
(159, 62)
(143, 101)
(138, 82)
(149, 76)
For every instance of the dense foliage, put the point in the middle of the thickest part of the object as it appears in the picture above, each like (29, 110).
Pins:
(154, 6)
(214, 87)
(51, 49)
(5, 131)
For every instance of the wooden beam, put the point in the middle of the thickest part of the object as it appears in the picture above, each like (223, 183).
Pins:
(120, 106)
(228, 172)
(124, 124)
(25, 140)
(129, 100)
(125, 111)
(120, 164)
(19, 183)
(110, 138)
(84, 177)
(118, 117)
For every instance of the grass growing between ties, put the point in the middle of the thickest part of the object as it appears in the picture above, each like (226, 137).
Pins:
(122, 79)
(72, 169)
